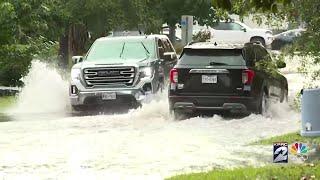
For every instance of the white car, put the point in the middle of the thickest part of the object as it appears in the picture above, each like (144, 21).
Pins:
(237, 32)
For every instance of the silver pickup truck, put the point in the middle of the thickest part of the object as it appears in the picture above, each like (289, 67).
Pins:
(121, 71)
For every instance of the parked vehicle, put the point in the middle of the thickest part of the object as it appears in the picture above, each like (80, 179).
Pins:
(225, 78)
(286, 38)
(121, 70)
(237, 32)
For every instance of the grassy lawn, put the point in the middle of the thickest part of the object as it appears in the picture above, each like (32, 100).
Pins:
(290, 138)
(268, 173)
(6, 101)
(275, 171)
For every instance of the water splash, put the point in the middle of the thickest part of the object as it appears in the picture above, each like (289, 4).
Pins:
(45, 91)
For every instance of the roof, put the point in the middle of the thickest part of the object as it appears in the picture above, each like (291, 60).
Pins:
(214, 45)
(153, 36)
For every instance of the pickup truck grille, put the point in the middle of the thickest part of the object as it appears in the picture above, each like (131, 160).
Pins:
(109, 76)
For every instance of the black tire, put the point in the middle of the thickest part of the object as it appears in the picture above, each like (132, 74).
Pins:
(258, 39)
(79, 108)
(263, 104)
(179, 115)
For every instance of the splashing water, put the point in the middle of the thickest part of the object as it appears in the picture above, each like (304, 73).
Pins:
(144, 143)
(45, 91)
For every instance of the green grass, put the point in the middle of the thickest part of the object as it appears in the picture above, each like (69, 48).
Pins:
(275, 171)
(268, 173)
(6, 101)
(290, 138)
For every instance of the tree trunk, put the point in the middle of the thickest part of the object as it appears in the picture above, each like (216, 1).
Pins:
(64, 49)
(172, 33)
(78, 38)
(72, 43)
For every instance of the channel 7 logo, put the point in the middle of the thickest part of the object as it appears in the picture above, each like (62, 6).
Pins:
(280, 152)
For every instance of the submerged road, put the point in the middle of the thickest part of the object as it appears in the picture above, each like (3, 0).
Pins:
(40, 139)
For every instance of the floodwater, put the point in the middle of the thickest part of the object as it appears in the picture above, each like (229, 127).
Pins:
(42, 139)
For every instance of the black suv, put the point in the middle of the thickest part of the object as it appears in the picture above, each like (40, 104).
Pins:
(225, 78)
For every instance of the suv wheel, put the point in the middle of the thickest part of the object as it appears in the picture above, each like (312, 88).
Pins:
(264, 104)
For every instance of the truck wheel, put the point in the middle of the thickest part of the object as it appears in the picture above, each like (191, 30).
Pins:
(79, 108)
(263, 104)
(258, 39)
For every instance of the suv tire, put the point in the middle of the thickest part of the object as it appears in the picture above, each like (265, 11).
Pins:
(263, 104)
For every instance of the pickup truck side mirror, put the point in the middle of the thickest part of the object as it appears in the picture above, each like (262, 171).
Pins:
(77, 59)
(244, 29)
(169, 55)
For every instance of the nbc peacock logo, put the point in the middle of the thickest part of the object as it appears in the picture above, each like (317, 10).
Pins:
(298, 149)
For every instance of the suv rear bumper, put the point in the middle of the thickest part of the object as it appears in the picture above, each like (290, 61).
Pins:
(236, 104)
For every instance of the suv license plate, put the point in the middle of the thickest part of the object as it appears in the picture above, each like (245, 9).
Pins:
(109, 96)
(209, 79)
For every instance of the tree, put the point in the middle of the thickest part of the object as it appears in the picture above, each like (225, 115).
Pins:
(172, 10)
(22, 22)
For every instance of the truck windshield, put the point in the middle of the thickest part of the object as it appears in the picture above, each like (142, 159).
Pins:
(213, 57)
(121, 50)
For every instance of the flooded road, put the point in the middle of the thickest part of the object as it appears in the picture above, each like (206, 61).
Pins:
(41, 139)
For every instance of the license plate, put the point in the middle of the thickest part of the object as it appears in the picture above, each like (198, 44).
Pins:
(209, 79)
(109, 96)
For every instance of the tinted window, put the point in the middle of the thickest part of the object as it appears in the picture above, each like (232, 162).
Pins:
(228, 26)
(122, 49)
(230, 57)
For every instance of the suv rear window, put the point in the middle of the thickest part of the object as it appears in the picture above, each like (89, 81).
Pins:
(214, 57)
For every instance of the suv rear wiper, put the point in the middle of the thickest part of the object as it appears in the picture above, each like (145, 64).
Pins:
(217, 63)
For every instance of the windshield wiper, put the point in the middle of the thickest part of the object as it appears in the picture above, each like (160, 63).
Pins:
(148, 53)
(122, 49)
(217, 64)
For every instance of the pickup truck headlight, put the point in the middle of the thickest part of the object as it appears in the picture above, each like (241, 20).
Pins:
(75, 74)
(146, 72)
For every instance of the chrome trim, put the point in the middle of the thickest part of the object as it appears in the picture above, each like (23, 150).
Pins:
(209, 71)
(125, 77)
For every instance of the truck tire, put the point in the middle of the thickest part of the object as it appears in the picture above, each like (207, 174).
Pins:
(79, 108)
(179, 115)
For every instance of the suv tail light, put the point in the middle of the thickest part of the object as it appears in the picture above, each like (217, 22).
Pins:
(247, 76)
(174, 76)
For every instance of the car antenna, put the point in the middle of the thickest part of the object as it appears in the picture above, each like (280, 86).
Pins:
(215, 44)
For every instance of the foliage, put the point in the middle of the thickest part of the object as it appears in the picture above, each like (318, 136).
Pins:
(14, 63)
(202, 36)
(6, 102)
(40, 25)
(269, 66)
(308, 171)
